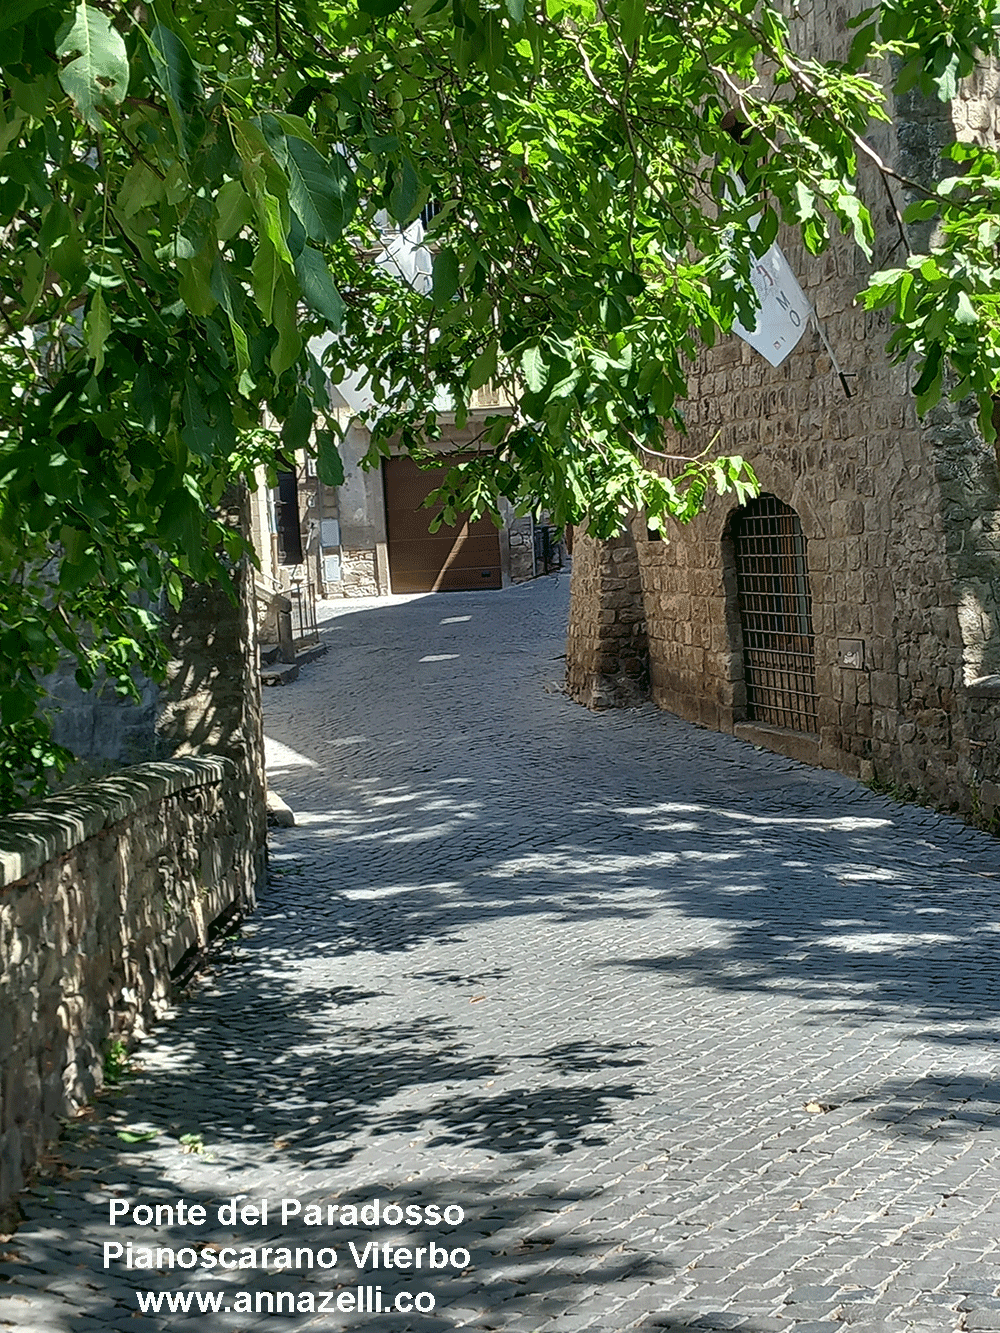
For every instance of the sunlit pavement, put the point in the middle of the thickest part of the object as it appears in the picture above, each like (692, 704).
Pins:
(694, 1036)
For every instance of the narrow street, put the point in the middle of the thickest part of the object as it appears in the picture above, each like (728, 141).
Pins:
(693, 1036)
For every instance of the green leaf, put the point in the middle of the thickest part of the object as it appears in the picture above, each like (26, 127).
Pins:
(965, 311)
(269, 216)
(631, 17)
(16, 704)
(221, 291)
(233, 210)
(142, 1136)
(266, 272)
(484, 367)
(140, 188)
(79, 574)
(329, 464)
(323, 193)
(445, 276)
(181, 520)
(520, 213)
(175, 589)
(178, 78)
(318, 288)
(297, 425)
(31, 97)
(920, 210)
(16, 11)
(97, 327)
(197, 432)
(151, 399)
(95, 63)
(289, 344)
(648, 376)
(405, 192)
(380, 8)
(535, 371)
(74, 542)
(862, 44)
(859, 219)
(515, 8)
(422, 10)
(194, 285)
(806, 199)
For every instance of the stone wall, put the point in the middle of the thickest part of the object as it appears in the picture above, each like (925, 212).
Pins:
(607, 658)
(104, 730)
(360, 500)
(103, 891)
(520, 532)
(898, 524)
(358, 574)
(210, 703)
(901, 519)
(967, 484)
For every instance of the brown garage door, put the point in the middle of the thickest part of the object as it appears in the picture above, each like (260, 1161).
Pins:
(451, 559)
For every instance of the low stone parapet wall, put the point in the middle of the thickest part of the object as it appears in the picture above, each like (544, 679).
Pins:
(104, 890)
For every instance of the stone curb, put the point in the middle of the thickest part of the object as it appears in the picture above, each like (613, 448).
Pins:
(30, 838)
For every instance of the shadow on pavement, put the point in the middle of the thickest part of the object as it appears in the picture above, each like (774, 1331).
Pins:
(514, 1256)
(425, 810)
(809, 884)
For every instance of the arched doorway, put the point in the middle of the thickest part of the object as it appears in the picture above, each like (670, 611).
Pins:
(775, 611)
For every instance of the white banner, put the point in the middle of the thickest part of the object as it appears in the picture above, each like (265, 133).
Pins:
(784, 309)
(405, 256)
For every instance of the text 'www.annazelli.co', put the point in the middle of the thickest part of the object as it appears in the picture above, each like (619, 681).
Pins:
(340, 1240)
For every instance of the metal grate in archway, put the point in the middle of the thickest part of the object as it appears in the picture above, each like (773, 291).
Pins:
(775, 606)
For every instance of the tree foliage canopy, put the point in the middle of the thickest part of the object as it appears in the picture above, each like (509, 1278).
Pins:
(190, 192)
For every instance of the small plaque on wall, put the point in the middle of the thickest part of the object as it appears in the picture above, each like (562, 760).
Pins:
(329, 533)
(851, 654)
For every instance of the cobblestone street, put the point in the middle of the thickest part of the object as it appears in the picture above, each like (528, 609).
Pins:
(697, 1037)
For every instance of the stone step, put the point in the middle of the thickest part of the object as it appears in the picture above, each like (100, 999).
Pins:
(279, 673)
(279, 814)
(310, 653)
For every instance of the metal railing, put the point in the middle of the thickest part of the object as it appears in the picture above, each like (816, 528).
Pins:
(302, 595)
(548, 549)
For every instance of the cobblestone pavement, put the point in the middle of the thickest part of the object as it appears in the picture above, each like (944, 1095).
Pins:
(696, 1037)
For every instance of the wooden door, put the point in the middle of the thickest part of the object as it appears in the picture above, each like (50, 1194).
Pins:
(451, 559)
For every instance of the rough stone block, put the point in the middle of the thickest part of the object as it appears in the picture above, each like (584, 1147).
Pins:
(83, 919)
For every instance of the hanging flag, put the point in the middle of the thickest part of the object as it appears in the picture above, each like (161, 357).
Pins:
(784, 308)
(406, 257)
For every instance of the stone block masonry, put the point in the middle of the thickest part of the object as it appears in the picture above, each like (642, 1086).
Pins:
(103, 891)
(607, 652)
(900, 533)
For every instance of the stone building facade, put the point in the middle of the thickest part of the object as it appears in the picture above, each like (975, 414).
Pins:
(851, 618)
(344, 539)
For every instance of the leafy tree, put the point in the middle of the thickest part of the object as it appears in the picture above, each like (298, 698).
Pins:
(190, 192)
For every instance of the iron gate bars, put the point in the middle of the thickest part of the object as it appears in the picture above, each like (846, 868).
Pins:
(775, 606)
